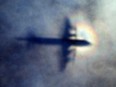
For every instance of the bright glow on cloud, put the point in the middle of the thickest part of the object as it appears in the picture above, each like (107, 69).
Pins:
(85, 31)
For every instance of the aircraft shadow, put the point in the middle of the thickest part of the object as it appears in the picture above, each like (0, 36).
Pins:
(64, 42)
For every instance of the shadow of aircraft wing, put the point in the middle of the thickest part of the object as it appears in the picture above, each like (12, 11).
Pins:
(66, 43)
(64, 59)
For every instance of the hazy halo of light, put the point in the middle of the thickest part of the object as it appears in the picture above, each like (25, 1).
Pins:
(84, 30)
(87, 32)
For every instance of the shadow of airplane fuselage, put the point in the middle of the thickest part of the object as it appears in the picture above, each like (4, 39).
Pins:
(64, 42)
(54, 41)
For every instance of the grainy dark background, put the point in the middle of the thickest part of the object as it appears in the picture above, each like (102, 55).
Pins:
(37, 66)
